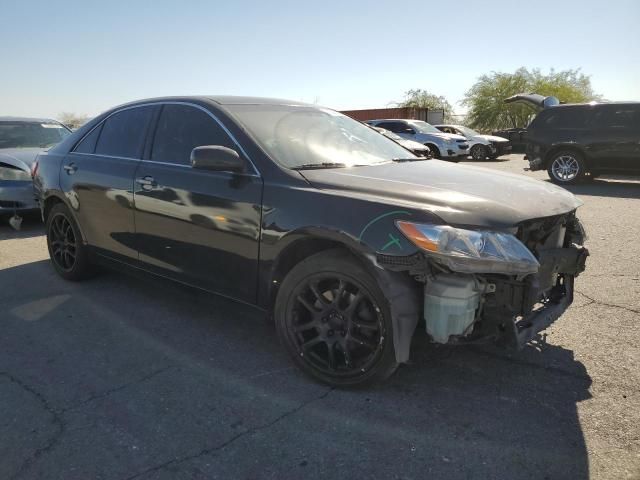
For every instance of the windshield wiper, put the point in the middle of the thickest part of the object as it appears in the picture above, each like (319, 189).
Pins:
(417, 159)
(309, 166)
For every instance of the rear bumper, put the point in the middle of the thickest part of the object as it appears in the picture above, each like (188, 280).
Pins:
(17, 196)
(502, 149)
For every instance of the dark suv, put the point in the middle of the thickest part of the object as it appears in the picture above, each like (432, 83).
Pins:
(575, 142)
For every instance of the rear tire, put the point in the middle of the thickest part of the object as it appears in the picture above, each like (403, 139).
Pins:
(68, 253)
(566, 167)
(335, 322)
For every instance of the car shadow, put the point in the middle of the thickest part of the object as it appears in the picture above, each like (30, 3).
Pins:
(31, 226)
(500, 159)
(601, 187)
(457, 412)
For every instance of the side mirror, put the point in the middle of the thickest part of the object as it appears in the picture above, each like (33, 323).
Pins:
(410, 131)
(216, 158)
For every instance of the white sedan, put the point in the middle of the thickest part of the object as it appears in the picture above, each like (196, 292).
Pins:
(481, 146)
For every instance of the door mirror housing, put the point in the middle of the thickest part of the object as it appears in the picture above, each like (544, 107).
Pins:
(216, 158)
(409, 131)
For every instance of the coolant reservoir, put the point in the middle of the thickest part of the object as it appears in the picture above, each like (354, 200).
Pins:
(450, 304)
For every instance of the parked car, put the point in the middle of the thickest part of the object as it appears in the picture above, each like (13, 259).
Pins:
(311, 215)
(21, 139)
(442, 145)
(417, 148)
(516, 137)
(481, 146)
(574, 142)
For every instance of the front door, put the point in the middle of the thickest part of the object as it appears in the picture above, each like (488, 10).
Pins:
(97, 179)
(198, 227)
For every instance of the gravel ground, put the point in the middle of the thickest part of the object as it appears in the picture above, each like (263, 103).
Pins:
(118, 378)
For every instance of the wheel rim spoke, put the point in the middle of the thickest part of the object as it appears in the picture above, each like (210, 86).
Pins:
(62, 242)
(335, 325)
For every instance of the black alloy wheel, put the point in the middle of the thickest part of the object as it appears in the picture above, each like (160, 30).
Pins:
(63, 242)
(68, 253)
(333, 324)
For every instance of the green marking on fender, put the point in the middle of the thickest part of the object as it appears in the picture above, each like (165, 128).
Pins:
(379, 217)
(393, 241)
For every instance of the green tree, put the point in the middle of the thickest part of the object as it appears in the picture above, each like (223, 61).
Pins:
(419, 98)
(72, 120)
(485, 100)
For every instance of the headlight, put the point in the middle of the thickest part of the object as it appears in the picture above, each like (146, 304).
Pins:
(471, 251)
(450, 141)
(14, 174)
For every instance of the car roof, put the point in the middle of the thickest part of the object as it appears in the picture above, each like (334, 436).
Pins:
(392, 120)
(217, 99)
(28, 119)
(594, 104)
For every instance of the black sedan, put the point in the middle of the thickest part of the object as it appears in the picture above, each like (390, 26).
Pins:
(345, 236)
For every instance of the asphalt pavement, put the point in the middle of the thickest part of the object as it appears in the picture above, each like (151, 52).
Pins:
(123, 377)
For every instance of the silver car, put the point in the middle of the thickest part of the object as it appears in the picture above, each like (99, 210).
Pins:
(442, 145)
(21, 140)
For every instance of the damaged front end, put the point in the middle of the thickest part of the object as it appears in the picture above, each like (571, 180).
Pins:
(481, 286)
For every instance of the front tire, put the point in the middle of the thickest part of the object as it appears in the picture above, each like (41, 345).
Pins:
(479, 153)
(67, 251)
(435, 151)
(334, 321)
(566, 168)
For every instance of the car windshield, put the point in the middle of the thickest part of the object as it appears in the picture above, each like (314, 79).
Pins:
(31, 134)
(306, 136)
(424, 127)
(468, 132)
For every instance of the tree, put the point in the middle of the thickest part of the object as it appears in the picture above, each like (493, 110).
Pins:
(418, 98)
(485, 99)
(72, 120)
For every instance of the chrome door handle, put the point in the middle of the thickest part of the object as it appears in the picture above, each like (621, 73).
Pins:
(147, 182)
(70, 169)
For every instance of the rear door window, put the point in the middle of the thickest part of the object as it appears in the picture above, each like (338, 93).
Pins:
(123, 133)
(88, 143)
(563, 118)
(618, 116)
(181, 128)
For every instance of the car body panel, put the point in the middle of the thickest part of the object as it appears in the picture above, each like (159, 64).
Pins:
(200, 227)
(459, 195)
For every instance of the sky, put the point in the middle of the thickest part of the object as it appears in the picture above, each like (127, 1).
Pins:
(85, 56)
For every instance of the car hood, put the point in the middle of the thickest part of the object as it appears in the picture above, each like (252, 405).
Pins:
(458, 194)
(22, 158)
(411, 145)
(492, 138)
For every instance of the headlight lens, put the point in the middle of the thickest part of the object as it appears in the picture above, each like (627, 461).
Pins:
(14, 174)
(471, 251)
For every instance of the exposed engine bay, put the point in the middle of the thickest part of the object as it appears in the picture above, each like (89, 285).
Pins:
(475, 307)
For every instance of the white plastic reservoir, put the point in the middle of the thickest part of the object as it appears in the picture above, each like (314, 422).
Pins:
(450, 304)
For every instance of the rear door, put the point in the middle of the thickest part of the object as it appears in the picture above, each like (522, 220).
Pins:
(616, 137)
(198, 227)
(97, 178)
